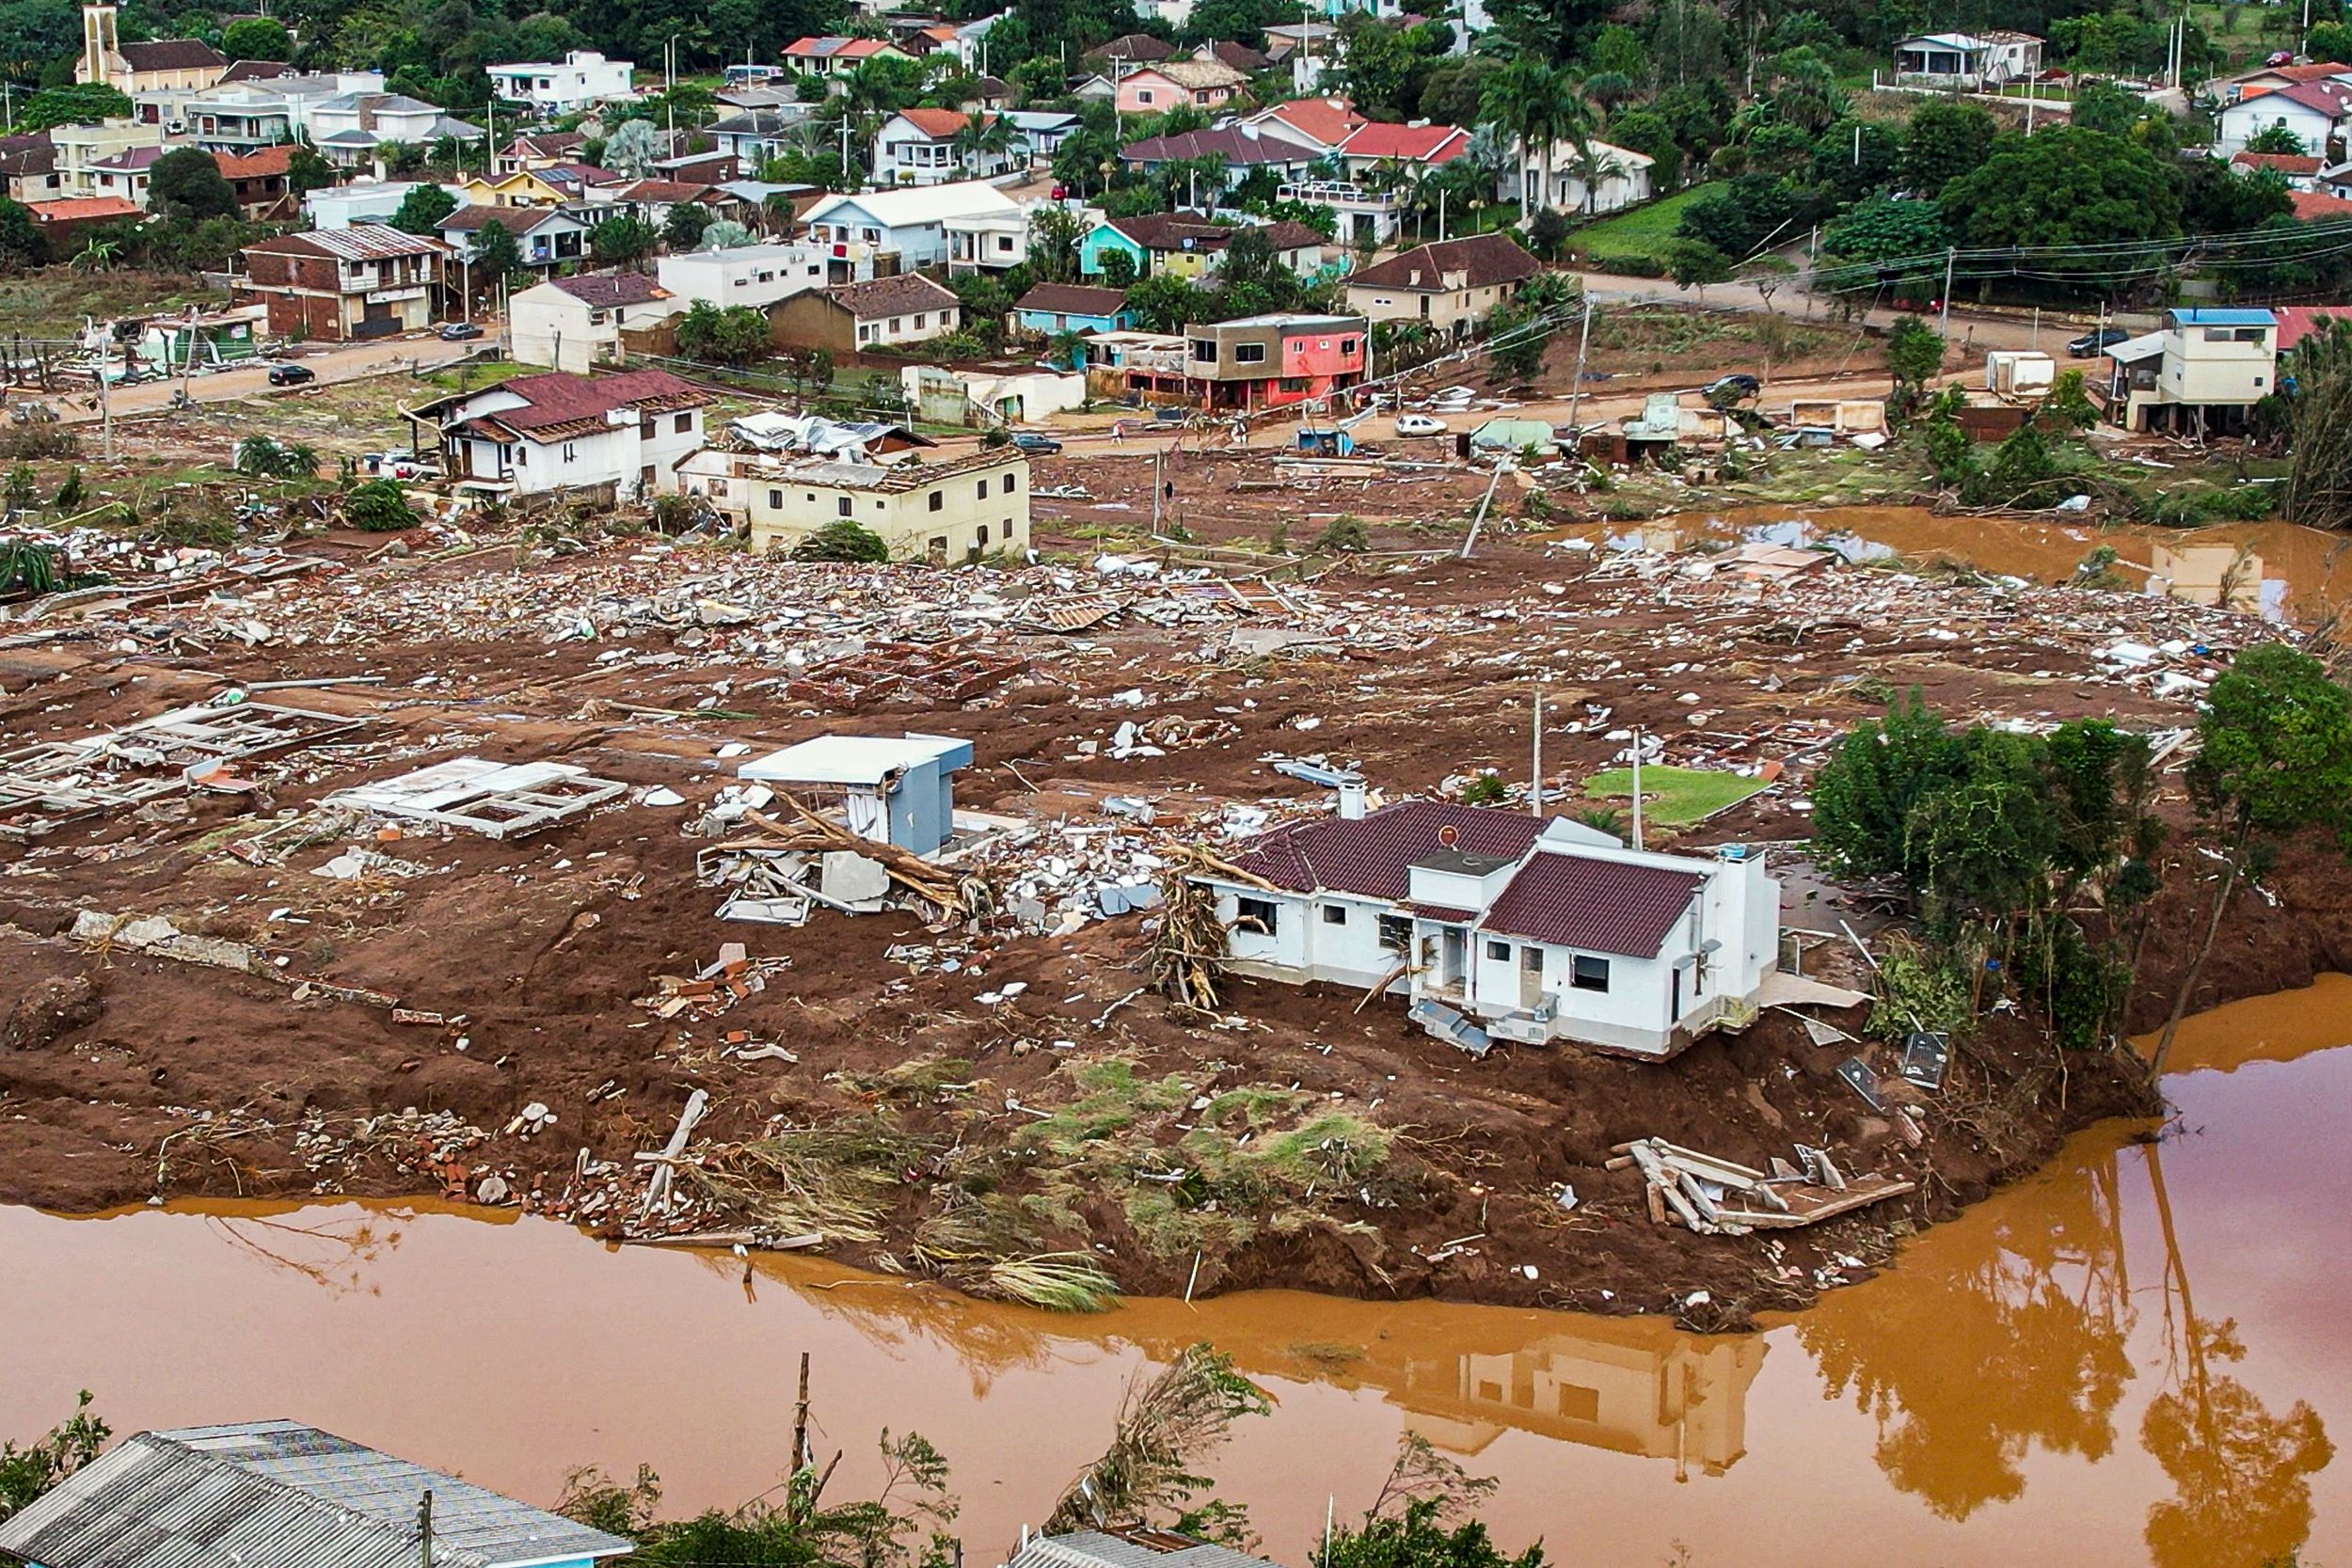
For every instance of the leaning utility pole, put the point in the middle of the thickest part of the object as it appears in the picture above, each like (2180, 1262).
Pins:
(425, 1530)
(1951, 254)
(800, 1420)
(1535, 790)
(1576, 387)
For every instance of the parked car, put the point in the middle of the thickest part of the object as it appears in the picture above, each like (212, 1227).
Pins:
(1419, 424)
(1170, 415)
(290, 375)
(458, 332)
(1735, 388)
(1031, 442)
(2092, 343)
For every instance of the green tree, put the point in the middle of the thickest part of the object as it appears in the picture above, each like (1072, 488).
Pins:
(1416, 1539)
(378, 506)
(1882, 228)
(622, 240)
(724, 335)
(843, 540)
(1166, 303)
(1117, 268)
(1164, 1429)
(22, 243)
(682, 230)
(495, 252)
(2277, 138)
(1914, 356)
(2329, 40)
(27, 1473)
(257, 38)
(306, 170)
(1945, 140)
(2063, 187)
(2275, 760)
(423, 211)
(1693, 263)
(185, 185)
(82, 104)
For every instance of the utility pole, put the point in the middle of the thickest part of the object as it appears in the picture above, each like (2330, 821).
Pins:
(425, 1530)
(1157, 455)
(1576, 387)
(1637, 789)
(800, 1420)
(1535, 788)
(105, 399)
(1952, 253)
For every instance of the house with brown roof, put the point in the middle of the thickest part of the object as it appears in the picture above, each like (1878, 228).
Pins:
(1155, 89)
(1450, 285)
(2301, 172)
(920, 146)
(260, 181)
(908, 309)
(29, 168)
(1239, 56)
(1126, 50)
(547, 238)
(155, 65)
(1190, 244)
(834, 57)
(620, 435)
(1498, 924)
(574, 323)
(369, 280)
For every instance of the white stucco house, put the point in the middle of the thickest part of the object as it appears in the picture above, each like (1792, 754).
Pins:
(1972, 62)
(574, 323)
(754, 274)
(559, 433)
(2315, 111)
(580, 80)
(1522, 927)
(1620, 178)
(909, 228)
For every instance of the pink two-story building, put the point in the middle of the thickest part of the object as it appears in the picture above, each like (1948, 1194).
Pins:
(1267, 361)
(1155, 89)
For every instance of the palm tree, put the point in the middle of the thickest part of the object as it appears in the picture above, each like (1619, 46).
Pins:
(97, 255)
(983, 136)
(1523, 98)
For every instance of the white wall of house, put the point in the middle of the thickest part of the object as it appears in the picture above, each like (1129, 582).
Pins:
(579, 80)
(2241, 122)
(754, 274)
(914, 327)
(618, 455)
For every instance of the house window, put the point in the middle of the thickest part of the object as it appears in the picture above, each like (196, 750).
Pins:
(569, 451)
(938, 499)
(1499, 950)
(1348, 345)
(1205, 350)
(1143, 95)
(1004, 244)
(918, 324)
(843, 505)
(775, 500)
(1012, 483)
(1396, 932)
(983, 533)
(1335, 914)
(683, 423)
(983, 489)
(1260, 914)
(1293, 384)
(1589, 974)
(1250, 354)
(896, 324)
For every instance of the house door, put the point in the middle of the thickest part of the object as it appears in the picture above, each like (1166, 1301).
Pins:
(1449, 958)
(1673, 997)
(1531, 977)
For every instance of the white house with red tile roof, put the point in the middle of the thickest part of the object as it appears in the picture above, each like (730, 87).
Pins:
(1377, 143)
(2313, 113)
(834, 57)
(917, 147)
(1497, 923)
(557, 434)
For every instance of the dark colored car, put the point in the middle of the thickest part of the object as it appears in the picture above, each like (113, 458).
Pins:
(290, 375)
(1735, 387)
(1171, 416)
(1031, 442)
(458, 332)
(2092, 343)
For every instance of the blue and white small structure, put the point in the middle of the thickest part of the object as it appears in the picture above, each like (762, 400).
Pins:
(897, 790)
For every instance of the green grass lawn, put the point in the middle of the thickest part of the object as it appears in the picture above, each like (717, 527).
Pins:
(1674, 797)
(1640, 236)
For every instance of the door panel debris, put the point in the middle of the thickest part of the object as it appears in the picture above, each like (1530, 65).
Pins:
(496, 799)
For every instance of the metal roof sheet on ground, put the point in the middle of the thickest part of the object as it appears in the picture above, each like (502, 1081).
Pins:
(1098, 1549)
(855, 759)
(2131, 349)
(282, 1495)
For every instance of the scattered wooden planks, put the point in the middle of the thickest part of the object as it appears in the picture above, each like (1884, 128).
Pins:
(1678, 1183)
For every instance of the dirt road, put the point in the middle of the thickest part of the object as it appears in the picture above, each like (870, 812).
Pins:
(330, 363)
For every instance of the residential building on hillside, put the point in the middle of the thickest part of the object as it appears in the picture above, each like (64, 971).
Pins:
(1537, 928)
(1127, 50)
(276, 1492)
(2314, 113)
(1155, 89)
(1596, 177)
(2270, 78)
(370, 281)
(918, 147)
(1450, 285)
(574, 323)
(2197, 375)
(1972, 62)
(1057, 307)
(1381, 145)
(878, 313)
(2302, 173)
(354, 128)
(620, 435)
(834, 57)
(1244, 148)
(247, 116)
(1233, 55)
(959, 510)
(582, 79)
(1190, 244)
(1274, 360)
(539, 148)
(898, 230)
(1038, 134)
(361, 201)
(29, 168)
(753, 136)
(261, 178)
(1318, 124)
(80, 149)
(754, 274)
(158, 65)
(123, 175)
(548, 238)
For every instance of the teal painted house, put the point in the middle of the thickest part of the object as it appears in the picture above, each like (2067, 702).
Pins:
(1055, 307)
(1104, 238)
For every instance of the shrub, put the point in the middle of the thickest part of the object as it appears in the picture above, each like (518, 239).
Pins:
(1345, 535)
(842, 540)
(379, 506)
(1487, 790)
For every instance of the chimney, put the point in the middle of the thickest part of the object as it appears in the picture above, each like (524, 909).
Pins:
(1351, 798)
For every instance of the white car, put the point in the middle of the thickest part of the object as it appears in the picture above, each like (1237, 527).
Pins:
(1419, 424)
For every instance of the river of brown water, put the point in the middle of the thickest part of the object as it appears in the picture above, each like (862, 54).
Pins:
(2140, 1355)
(2280, 570)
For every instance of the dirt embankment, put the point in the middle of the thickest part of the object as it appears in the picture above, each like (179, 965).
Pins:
(1007, 1092)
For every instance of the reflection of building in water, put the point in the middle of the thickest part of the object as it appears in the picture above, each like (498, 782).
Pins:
(1627, 1388)
(2228, 577)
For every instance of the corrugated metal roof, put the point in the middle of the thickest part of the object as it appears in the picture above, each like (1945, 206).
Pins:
(361, 241)
(1592, 905)
(1098, 1549)
(278, 1495)
(2201, 315)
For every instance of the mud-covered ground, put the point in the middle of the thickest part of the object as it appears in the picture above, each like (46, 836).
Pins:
(1015, 1124)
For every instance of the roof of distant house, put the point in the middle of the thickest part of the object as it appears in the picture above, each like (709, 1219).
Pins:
(2318, 70)
(672, 191)
(257, 70)
(938, 124)
(2285, 162)
(1240, 56)
(2311, 205)
(258, 164)
(132, 159)
(515, 220)
(1231, 144)
(84, 209)
(279, 1492)
(1129, 1549)
(604, 291)
(361, 241)
(1482, 261)
(959, 199)
(837, 48)
(902, 296)
(1074, 299)
(1131, 46)
(756, 122)
(34, 154)
(2298, 321)
(171, 55)
(1372, 854)
(559, 405)
(546, 144)
(1329, 120)
(1420, 144)
(1592, 904)
(2331, 97)
(1197, 232)
(1193, 75)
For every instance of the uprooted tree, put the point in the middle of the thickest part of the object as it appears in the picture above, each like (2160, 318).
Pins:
(27, 1472)
(1166, 1427)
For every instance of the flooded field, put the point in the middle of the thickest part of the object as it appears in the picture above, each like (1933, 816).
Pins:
(2279, 570)
(2140, 1352)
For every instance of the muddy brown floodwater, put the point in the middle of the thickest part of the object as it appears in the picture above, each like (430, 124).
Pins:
(2279, 570)
(2141, 1353)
